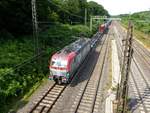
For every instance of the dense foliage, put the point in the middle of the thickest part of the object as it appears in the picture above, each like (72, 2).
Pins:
(15, 16)
(20, 69)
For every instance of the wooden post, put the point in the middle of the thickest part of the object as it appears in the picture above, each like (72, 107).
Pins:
(123, 87)
(35, 27)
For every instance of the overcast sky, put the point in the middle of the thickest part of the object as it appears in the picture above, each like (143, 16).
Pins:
(115, 7)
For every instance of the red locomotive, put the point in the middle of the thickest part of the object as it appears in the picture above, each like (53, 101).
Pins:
(102, 28)
(64, 63)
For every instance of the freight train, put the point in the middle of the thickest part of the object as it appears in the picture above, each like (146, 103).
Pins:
(64, 63)
(103, 28)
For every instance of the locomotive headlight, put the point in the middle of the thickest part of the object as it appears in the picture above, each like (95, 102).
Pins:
(50, 76)
(67, 75)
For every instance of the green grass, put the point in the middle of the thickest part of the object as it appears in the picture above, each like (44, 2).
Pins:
(144, 38)
(141, 26)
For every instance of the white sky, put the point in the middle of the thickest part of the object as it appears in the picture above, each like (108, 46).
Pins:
(115, 7)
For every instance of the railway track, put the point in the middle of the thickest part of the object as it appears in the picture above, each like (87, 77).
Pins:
(48, 99)
(139, 86)
(82, 94)
(89, 95)
(141, 47)
(101, 94)
(145, 59)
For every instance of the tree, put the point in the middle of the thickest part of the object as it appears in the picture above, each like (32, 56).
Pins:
(96, 9)
(16, 16)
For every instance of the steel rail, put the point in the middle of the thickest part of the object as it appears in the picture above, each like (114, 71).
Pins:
(34, 107)
(86, 86)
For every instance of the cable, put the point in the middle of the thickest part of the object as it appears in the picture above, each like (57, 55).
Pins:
(65, 10)
(28, 60)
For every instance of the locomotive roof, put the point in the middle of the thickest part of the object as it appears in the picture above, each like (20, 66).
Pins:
(74, 47)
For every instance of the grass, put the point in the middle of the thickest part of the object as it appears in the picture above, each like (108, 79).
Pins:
(145, 39)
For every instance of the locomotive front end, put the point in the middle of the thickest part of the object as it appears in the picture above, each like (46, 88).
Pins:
(59, 71)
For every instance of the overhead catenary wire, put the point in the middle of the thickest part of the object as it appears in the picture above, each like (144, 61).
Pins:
(29, 60)
(71, 14)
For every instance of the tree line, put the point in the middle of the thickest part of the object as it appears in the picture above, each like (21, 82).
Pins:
(16, 15)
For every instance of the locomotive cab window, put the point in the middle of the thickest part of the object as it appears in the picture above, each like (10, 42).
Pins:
(59, 63)
(52, 63)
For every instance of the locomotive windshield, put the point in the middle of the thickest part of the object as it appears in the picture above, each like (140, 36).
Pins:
(58, 63)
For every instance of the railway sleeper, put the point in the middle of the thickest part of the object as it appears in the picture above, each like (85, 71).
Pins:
(86, 101)
(49, 98)
(52, 96)
(46, 109)
(83, 109)
(47, 101)
(86, 97)
(36, 111)
(45, 104)
(86, 104)
(39, 108)
(54, 93)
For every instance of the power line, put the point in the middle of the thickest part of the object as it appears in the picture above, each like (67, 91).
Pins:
(34, 58)
(65, 10)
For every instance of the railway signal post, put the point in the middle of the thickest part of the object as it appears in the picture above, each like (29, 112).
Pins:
(123, 87)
